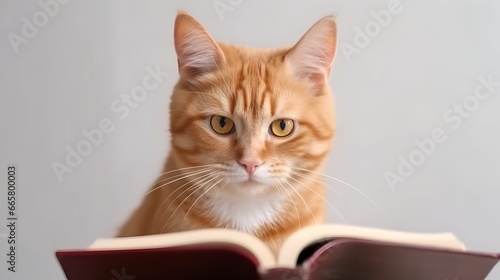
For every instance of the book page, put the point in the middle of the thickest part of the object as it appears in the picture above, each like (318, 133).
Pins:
(299, 240)
(193, 237)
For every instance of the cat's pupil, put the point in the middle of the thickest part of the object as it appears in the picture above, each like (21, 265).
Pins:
(222, 122)
(282, 125)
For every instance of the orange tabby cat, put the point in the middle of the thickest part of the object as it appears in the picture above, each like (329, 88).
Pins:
(250, 129)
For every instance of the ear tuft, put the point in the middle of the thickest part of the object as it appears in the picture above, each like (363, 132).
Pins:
(312, 57)
(197, 52)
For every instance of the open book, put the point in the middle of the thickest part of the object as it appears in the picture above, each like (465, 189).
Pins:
(315, 252)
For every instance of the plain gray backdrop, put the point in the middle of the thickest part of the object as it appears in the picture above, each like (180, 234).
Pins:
(397, 82)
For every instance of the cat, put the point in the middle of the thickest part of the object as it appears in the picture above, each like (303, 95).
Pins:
(250, 129)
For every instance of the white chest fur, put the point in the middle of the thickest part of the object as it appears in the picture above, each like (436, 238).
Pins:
(246, 213)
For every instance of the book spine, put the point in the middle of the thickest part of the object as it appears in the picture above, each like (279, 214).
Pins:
(282, 274)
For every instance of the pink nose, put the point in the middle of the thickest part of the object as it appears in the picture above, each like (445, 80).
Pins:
(249, 165)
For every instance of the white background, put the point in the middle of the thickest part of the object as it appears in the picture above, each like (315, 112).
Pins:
(389, 94)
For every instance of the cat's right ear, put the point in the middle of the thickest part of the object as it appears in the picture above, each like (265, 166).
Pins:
(312, 57)
(197, 52)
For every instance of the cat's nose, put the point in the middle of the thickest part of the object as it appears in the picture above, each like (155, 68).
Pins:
(250, 165)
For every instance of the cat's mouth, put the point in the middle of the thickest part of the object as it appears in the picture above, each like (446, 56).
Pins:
(250, 182)
(254, 184)
(247, 181)
(250, 178)
(247, 178)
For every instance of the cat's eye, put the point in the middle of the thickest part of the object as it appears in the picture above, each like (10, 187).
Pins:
(221, 124)
(282, 127)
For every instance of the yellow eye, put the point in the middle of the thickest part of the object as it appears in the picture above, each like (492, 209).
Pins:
(282, 127)
(222, 125)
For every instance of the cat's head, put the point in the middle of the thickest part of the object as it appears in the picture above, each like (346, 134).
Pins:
(252, 118)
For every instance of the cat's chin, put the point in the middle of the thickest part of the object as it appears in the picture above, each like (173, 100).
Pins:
(249, 187)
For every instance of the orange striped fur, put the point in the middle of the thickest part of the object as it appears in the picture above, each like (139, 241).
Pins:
(207, 181)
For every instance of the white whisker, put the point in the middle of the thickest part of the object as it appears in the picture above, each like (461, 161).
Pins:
(343, 182)
(177, 208)
(184, 176)
(303, 201)
(192, 205)
(201, 178)
(320, 196)
(186, 168)
(220, 189)
(319, 181)
(278, 183)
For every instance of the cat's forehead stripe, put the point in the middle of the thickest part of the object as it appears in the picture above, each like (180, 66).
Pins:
(253, 90)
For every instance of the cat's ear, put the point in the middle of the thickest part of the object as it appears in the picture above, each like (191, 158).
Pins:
(197, 52)
(312, 57)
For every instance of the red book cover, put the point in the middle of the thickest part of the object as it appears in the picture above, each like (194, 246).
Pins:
(340, 259)
(176, 263)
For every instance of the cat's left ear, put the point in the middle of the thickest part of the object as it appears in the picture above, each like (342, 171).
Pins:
(312, 57)
(197, 52)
